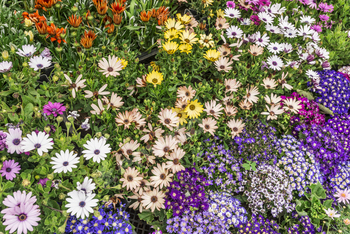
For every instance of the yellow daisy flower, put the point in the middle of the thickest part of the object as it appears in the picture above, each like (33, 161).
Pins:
(220, 13)
(212, 55)
(171, 34)
(184, 19)
(188, 38)
(155, 78)
(185, 48)
(194, 109)
(154, 66)
(207, 2)
(124, 63)
(206, 40)
(181, 114)
(173, 24)
(170, 47)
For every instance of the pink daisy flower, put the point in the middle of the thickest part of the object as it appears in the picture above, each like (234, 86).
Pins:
(343, 196)
(18, 198)
(54, 108)
(9, 169)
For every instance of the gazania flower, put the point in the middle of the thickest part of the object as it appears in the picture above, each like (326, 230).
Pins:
(212, 55)
(74, 21)
(129, 148)
(224, 50)
(343, 196)
(173, 24)
(124, 119)
(97, 109)
(206, 40)
(80, 204)
(9, 169)
(269, 83)
(97, 149)
(87, 40)
(26, 51)
(131, 179)
(194, 109)
(64, 161)
(87, 186)
(77, 85)
(39, 141)
(230, 110)
(272, 112)
(118, 7)
(213, 109)
(117, 19)
(174, 164)
(170, 47)
(101, 91)
(14, 140)
(188, 38)
(34, 17)
(153, 200)
(44, 4)
(39, 62)
(161, 177)
(110, 67)
(292, 105)
(168, 118)
(273, 100)
(163, 146)
(41, 27)
(54, 108)
(251, 94)
(232, 85)
(245, 104)
(221, 23)
(332, 213)
(55, 33)
(236, 127)
(151, 134)
(5, 66)
(256, 50)
(186, 93)
(102, 7)
(110, 28)
(181, 104)
(223, 64)
(155, 78)
(185, 48)
(209, 125)
(181, 114)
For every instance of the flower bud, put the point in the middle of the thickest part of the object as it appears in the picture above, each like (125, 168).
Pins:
(74, 9)
(47, 129)
(50, 176)
(59, 119)
(25, 182)
(107, 136)
(98, 134)
(61, 196)
(55, 78)
(68, 124)
(5, 55)
(59, 49)
(30, 35)
(28, 23)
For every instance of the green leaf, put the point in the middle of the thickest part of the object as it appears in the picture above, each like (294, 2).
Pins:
(306, 94)
(325, 109)
(327, 204)
(246, 166)
(146, 216)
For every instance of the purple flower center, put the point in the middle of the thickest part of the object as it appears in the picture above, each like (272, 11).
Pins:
(232, 15)
(37, 146)
(8, 169)
(27, 55)
(274, 48)
(22, 217)
(97, 152)
(40, 66)
(82, 204)
(274, 63)
(233, 33)
(260, 40)
(54, 109)
(16, 141)
(264, 19)
(65, 163)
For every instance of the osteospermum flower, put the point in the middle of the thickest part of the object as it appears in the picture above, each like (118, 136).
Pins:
(168, 118)
(212, 55)
(9, 169)
(97, 149)
(208, 125)
(125, 119)
(87, 186)
(272, 112)
(256, 50)
(39, 141)
(151, 134)
(171, 34)
(64, 161)
(174, 164)
(221, 23)
(188, 38)
(206, 40)
(273, 100)
(275, 62)
(110, 67)
(22, 218)
(5, 66)
(54, 108)
(80, 204)
(194, 109)
(230, 110)
(223, 64)
(161, 177)
(269, 83)
(155, 78)
(343, 195)
(332, 213)
(14, 140)
(236, 127)
(97, 109)
(77, 85)
(26, 51)
(18, 198)
(185, 48)
(153, 199)
(252, 93)
(186, 93)
(131, 179)
(173, 24)
(101, 91)
(129, 148)
(234, 32)
(292, 105)
(170, 47)
(181, 114)
(163, 146)
(232, 85)
(39, 62)
(213, 109)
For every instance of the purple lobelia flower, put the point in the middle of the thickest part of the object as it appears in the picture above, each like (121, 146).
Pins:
(9, 169)
(54, 108)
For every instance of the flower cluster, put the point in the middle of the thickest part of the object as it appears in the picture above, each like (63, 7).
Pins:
(106, 221)
(309, 112)
(188, 192)
(268, 190)
(2, 140)
(227, 208)
(341, 180)
(298, 163)
(258, 224)
(20, 214)
(334, 91)
(345, 71)
(196, 222)
(304, 227)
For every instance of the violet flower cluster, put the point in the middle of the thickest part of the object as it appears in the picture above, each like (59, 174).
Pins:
(299, 164)
(186, 193)
(341, 180)
(227, 208)
(334, 91)
(309, 112)
(2, 140)
(221, 166)
(267, 190)
(109, 221)
(304, 225)
(329, 143)
(258, 224)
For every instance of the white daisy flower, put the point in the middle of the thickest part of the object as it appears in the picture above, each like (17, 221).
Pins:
(273, 29)
(305, 31)
(275, 9)
(64, 161)
(41, 142)
(87, 186)
(262, 40)
(290, 33)
(286, 25)
(307, 20)
(232, 13)
(80, 204)
(26, 51)
(246, 21)
(234, 31)
(39, 62)
(97, 149)
(5, 66)
(315, 37)
(275, 48)
(287, 48)
(14, 140)
(265, 17)
(275, 62)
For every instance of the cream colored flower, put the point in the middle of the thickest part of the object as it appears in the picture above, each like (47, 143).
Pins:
(124, 119)
(181, 104)
(223, 64)
(292, 105)
(110, 67)
(129, 148)
(153, 200)
(232, 85)
(77, 85)
(168, 118)
(236, 127)
(206, 40)
(230, 110)
(101, 91)
(251, 95)
(245, 105)
(137, 203)
(97, 109)
(209, 125)
(141, 82)
(115, 102)
(224, 50)
(151, 134)
(269, 83)
(273, 100)
(213, 109)
(283, 82)
(163, 146)
(174, 164)
(256, 50)
(186, 93)
(272, 112)
(221, 23)
(161, 177)
(131, 179)
(138, 120)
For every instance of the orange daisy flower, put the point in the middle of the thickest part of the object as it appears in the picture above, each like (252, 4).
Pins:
(43, 4)
(117, 19)
(41, 27)
(34, 17)
(55, 33)
(145, 16)
(74, 21)
(102, 7)
(88, 39)
(117, 8)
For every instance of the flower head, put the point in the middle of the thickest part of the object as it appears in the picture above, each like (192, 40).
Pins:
(155, 78)
(97, 149)
(332, 213)
(343, 195)
(131, 179)
(80, 204)
(64, 161)
(209, 125)
(14, 140)
(9, 169)
(170, 47)
(212, 55)
(194, 109)
(39, 62)
(110, 67)
(5, 66)
(26, 51)
(54, 108)
(39, 141)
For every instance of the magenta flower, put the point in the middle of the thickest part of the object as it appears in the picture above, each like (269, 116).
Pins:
(9, 169)
(255, 19)
(230, 4)
(317, 28)
(324, 17)
(54, 108)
